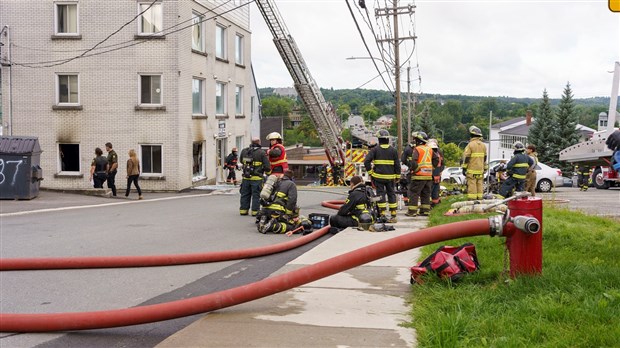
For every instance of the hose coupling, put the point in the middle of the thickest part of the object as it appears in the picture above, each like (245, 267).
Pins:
(526, 224)
(496, 225)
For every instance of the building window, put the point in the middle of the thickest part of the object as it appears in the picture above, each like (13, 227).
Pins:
(239, 143)
(239, 100)
(220, 41)
(220, 98)
(197, 97)
(151, 21)
(239, 49)
(507, 141)
(68, 90)
(69, 158)
(198, 159)
(151, 159)
(150, 89)
(198, 38)
(66, 18)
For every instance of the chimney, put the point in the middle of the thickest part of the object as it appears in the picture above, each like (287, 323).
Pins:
(528, 118)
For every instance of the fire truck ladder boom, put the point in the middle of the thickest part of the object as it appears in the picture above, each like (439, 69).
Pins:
(321, 113)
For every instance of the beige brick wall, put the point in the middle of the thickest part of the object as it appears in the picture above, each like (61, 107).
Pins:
(109, 85)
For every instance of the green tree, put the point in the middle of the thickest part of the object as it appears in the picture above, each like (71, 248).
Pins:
(566, 133)
(452, 154)
(277, 106)
(541, 132)
(370, 112)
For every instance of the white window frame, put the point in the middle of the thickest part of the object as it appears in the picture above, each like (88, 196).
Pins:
(239, 49)
(220, 41)
(69, 92)
(201, 96)
(161, 89)
(158, 23)
(239, 142)
(202, 174)
(143, 167)
(77, 18)
(220, 92)
(198, 28)
(238, 100)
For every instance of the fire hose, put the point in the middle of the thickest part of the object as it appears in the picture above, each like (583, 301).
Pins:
(10, 322)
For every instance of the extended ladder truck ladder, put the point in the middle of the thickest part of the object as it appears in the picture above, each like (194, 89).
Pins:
(322, 113)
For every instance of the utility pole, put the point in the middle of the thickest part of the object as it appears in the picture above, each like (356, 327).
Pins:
(408, 106)
(394, 11)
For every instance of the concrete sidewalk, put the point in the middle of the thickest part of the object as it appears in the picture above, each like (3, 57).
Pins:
(362, 307)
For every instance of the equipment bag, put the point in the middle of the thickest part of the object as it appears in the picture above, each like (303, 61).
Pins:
(448, 262)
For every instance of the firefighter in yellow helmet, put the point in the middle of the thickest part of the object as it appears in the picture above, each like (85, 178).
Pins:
(474, 163)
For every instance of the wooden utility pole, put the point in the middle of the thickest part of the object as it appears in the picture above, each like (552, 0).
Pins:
(408, 105)
(394, 11)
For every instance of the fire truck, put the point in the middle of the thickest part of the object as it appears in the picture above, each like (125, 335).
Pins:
(322, 113)
(593, 152)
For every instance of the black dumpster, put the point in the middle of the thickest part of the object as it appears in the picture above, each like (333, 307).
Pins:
(20, 172)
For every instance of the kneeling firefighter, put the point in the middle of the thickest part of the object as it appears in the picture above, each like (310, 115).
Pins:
(354, 212)
(279, 213)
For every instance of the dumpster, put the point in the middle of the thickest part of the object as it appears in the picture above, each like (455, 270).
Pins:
(20, 170)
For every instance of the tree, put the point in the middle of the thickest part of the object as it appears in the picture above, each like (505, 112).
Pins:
(452, 154)
(541, 132)
(277, 106)
(566, 133)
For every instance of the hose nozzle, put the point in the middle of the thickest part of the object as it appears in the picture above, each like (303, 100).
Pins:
(526, 224)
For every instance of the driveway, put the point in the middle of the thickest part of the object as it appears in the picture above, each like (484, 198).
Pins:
(593, 202)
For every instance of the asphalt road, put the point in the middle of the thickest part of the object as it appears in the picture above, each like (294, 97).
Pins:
(180, 224)
(592, 202)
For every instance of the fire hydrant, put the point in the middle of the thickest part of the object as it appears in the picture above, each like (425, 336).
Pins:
(523, 232)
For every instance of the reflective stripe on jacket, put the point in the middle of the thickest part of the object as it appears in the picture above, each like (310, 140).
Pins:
(382, 162)
(475, 156)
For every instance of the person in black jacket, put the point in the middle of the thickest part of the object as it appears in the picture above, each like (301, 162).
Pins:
(231, 165)
(255, 164)
(517, 169)
(282, 214)
(351, 213)
(383, 165)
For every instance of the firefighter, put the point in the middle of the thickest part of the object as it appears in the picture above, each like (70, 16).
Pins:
(583, 175)
(231, 165)
(474, 163)
(280, 213)
(323, 175)
(423, 161)
(530, 177)
(383, 165)
(254, 164)
(517, 169)
(277, 154)
(436, 172)
(497, 176)
(354, 211)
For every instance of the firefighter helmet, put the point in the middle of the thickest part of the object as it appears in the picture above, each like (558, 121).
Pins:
(475, 131)
(365, 221)
(306, 224)
(432, 143)
(234, 149)
(420, 137)
(383, 134)
(518, 146)
(274, 135)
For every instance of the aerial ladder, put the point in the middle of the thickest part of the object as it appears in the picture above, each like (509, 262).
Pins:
(321, 113)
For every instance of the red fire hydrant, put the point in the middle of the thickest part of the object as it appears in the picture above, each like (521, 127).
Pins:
(524, 236)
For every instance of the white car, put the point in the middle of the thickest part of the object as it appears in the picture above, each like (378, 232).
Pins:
(453, 174)
(546, 177)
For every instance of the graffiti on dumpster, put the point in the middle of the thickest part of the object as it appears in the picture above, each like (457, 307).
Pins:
(5, 170)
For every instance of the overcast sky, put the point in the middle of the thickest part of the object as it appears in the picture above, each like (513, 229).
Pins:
(482, 48)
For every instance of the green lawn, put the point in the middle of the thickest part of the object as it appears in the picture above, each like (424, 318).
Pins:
(574, 303)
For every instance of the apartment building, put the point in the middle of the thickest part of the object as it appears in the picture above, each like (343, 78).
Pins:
(171, 79)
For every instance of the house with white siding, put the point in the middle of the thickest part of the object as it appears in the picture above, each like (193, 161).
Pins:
(171, 79)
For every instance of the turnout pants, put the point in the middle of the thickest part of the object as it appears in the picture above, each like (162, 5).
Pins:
(340, 221)
(475, 187)
(510, 185)
(419, 190)
(383, 188)
(250, 193)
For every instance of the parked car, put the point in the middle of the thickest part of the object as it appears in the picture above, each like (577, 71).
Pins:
(453, 174)
(546, 177)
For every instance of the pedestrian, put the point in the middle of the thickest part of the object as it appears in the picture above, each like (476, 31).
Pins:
(113, 165)
(474, 163)
(530, 177)
(133, 173)
(277, 154)
(280, 214)
(517, 169)
(98, 169)
(423, 161)
(231, 165)
(255, 164)
(583, 176)
(436, 172)
(383, 165)
(354, 212)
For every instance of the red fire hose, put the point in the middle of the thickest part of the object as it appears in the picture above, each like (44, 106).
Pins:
(335, 204)
(242, 294)
(153, 260)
